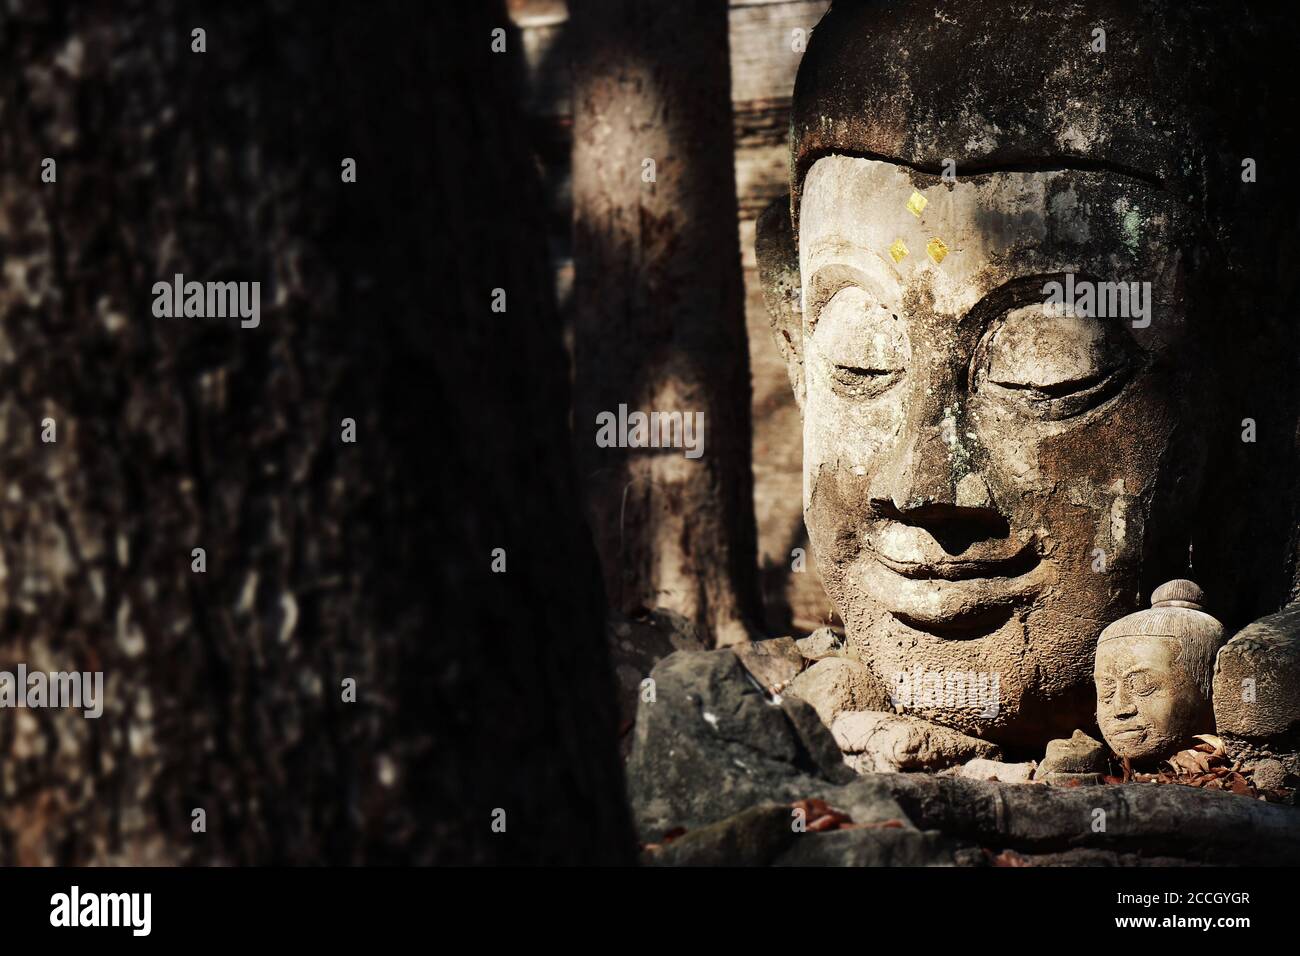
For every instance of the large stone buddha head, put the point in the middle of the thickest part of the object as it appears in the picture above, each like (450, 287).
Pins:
(990, 478)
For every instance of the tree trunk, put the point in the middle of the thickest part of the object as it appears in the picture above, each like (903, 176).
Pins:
(659, 321)
(1171, 820)
(326, 561)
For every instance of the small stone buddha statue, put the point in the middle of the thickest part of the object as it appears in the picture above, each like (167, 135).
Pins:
(1154, 671)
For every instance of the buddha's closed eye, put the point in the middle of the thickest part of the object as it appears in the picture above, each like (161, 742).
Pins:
(1049, 366)
(1142, 685)
(864, 344)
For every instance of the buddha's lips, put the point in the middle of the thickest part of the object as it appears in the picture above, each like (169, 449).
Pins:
(933, 594)
(1129, 732)
(958, 569)
(912, 552)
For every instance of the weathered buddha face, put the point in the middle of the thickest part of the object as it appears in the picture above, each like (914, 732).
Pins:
(1148, 704)
(979, 473)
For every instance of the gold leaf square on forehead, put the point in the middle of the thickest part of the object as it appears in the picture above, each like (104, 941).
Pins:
(937, 250)
(898, 251)
(916, 204)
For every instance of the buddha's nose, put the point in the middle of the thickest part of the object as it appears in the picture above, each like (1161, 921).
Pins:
(931, 477)
(919, 474)
(1124, 704)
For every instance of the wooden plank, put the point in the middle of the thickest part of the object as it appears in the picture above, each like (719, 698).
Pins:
(763, 40)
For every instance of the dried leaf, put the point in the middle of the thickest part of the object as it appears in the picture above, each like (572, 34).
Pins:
(1215, 743)
(1009, 858)
(1190, 761)
(820, 815)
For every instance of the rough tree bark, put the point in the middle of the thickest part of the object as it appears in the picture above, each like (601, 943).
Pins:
(325, 560)
(659, 308)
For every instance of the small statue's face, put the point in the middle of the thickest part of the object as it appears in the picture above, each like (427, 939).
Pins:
(979, 473)
(1148, 706)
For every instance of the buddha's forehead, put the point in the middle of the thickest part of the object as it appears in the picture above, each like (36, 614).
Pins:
(1125, 654)
(902, 230)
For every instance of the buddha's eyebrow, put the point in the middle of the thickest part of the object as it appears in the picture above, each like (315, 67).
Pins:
(828, 279)
(838, 255)
(833, 246)
(1040, 164)
(1012, 294)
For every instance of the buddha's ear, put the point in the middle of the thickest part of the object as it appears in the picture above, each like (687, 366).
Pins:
(778, 270)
